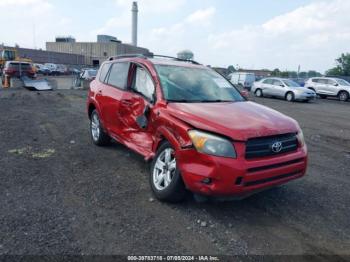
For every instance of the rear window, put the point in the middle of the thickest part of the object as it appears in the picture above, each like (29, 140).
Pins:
(118, 76)
(104, 72)
(24, 66)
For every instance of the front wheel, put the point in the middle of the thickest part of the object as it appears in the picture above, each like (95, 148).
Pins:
(343, 96)
(165, 178)
(290, 97)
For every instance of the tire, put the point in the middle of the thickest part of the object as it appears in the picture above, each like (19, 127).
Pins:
(343, 96)
(98, 135)
(259, 93)
(290, 97)
(170, 187)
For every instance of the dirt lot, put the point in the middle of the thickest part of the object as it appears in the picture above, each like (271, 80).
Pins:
(59, 194)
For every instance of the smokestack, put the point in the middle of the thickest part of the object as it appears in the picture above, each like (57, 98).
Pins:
(134, 12)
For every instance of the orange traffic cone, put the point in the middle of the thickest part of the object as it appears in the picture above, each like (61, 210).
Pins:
(6, 83)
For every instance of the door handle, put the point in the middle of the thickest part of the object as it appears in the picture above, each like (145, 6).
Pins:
(126, 102)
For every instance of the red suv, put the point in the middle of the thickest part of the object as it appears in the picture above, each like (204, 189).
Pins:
(201, 134)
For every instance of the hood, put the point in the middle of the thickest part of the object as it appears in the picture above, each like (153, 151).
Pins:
(301, 89)
(239, 120)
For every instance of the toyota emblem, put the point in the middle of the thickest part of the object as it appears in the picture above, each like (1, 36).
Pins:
(277, 147)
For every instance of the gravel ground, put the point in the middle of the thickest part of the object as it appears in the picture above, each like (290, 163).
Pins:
(60, 194)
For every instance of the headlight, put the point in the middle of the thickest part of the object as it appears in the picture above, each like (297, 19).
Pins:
(300, 137)
(212, 145)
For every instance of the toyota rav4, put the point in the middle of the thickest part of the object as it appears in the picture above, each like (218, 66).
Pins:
(198, 131)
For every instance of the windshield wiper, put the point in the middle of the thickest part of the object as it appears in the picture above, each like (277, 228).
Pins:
(198, 101)
(183, 101)
(216, 101)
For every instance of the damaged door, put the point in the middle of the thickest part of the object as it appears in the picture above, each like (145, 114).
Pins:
(135, 111)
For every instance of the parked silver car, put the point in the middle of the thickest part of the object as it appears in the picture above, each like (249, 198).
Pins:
(326, 86)
(282, 88)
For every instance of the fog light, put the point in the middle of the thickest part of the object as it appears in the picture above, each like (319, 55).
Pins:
(239, 181)
(206, 181)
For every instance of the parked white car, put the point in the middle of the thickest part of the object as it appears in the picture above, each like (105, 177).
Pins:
(245, 80)
(326, 86)
(88, 74)
(53, 69)
(282, 88)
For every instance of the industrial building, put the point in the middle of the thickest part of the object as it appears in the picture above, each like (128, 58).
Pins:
(96, 52)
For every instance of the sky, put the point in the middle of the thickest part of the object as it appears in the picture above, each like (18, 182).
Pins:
(251, 34)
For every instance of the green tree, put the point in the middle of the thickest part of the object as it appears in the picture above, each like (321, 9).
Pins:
(276, 72)
(344, 63)
(335, 71)
(342, 66)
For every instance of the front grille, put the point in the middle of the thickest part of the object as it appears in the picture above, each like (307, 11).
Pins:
(263, 146)
(271, 179)
(262, 168)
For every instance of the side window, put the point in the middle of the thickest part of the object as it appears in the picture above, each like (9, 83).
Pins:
(143, 83)
(322, 81)
(104, 71)
(331, 82)
(277, 82)
(315, 80)
(118, 75)
(269, 81)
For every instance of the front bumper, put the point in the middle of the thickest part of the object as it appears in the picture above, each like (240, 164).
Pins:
(305, 96)
(238, 177)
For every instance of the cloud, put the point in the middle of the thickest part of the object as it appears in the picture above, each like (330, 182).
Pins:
(182, 35)
(35, 21)
(312, 35)
(153, 6)
(202, 16)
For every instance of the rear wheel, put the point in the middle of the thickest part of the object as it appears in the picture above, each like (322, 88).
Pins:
(290, 97)
(259, 93)
(98, 135)
(343, 96)
(165, 178)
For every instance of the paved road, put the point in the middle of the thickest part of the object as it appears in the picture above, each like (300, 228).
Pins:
(61, 194)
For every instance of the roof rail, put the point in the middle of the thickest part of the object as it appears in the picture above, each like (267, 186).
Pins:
(152, 56)
(177, 59)
(126, 56)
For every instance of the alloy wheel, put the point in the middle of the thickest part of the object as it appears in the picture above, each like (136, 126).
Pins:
(343, 96)
(164, 169)
(95, 127)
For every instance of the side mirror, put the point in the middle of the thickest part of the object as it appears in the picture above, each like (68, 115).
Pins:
(336, 84)
(281, 85)
(142, 120)
(245, 94)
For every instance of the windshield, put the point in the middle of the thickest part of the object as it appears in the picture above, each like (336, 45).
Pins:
(291, 83)
(184, 84)
(343, 82)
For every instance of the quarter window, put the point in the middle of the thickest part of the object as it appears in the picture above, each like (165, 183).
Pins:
(143, 83)
(118, 76)
(104, 72)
